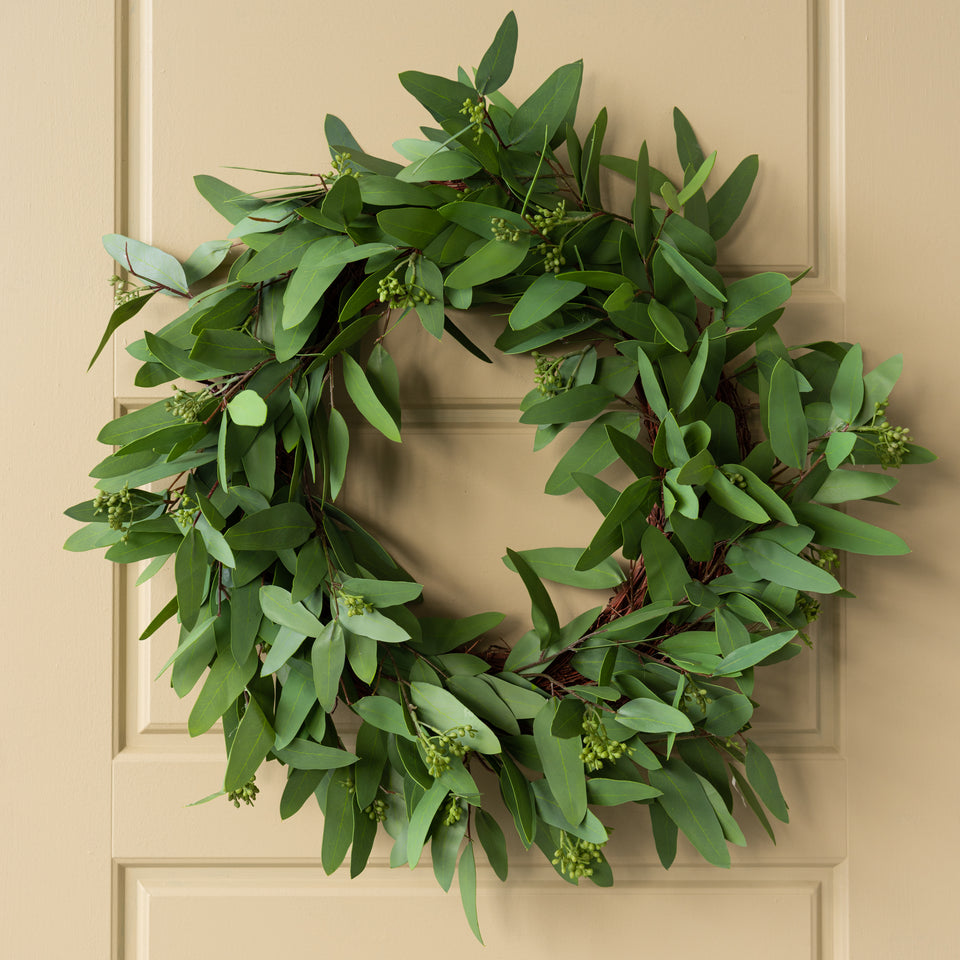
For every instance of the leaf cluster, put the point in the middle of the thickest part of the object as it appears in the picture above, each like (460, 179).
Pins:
(743, 451)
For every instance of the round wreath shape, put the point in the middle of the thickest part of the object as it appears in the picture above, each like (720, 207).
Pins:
(742, 449)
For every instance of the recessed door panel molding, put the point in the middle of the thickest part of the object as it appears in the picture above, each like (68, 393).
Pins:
(171, 911)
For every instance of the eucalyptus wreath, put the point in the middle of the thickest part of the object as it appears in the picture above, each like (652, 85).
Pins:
(709, 563)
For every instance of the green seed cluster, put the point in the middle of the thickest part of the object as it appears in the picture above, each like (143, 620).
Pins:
(827, 559)
(891, 441)
(737, 479)
(186, 511)
(475, 112)
(356, 606)
(119, 509)
(341, 166)
(187, 406)
(597, 745)
(453, 812)
(576, 857)
(401, 296)
(698, 695)
(376, 811)
(553, 259)
(441, 747)
(546, 374)
(247, 793)
(809, 607)
(123, 291)
(503, 231)
(545, 220)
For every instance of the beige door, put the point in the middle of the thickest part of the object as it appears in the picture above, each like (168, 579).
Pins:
(108, 114)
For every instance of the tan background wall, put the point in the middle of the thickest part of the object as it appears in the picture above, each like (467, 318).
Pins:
(107, 113)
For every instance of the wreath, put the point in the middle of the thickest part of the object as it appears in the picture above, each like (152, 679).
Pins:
(296, 619)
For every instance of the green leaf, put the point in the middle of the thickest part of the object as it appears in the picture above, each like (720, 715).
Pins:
(495, 259)
(444, 711)
(544, 296)
(562, 764)
(223, 685)
(320, 265)
(338, 820)
(190, 569)
(668, 326)
(214, 543)
(788, 425)
(515, 789)
(842, 532)
(440, 164)
(664, 835)
(197, 637)
(343, 202)
(383, 593)
(366, 400)
(251, 744)
(843, 485)
(276, 528)
(538, 118)
(557, 564)
(493, 842)
(666, 573)
(840, 445)
(687, 805)
(285, 644)
(442, 97)
(467, 880)
(727, 715)
(444, 848)
(878, 383)
(247, 409)
(123, 313)
(338, 447)
(421, 820)
(296, 700)
(698, 179)
(611, 793)
(640, 209)
(282, 254)
(479, 697)
(846, 394)
(775, 563)
(763, 779)
(734, 500)
(412, 226)
(307, 755)
(278, 606)
(146, 262)
(384, 714)
(230, 202)
(699, 285)
(577, 403)
(688, 150)
(311, 569)
(652, 716)
(752, 653)
(327, 657)
(754, 297)
(591, 452)
(726, 205)
(543, 612)
(496, 65)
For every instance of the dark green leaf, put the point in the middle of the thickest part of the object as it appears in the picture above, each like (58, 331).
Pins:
(367, 402)
(763, 779)
(687, 805)
(557, 564)
(544, 614)
(788, 425)
(467, 879)
(276, 528)
(652, 716)
(726, 205)
(837, 530)
(253, 741)
(562, 764)
(327, 657)
(190, 568)
(496, 65)
(538, 118)
(754, 297)
(307, 755)
(752, 653)
(338, 819)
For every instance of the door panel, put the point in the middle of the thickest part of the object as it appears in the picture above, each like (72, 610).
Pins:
(191, 871)
(849, 104)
